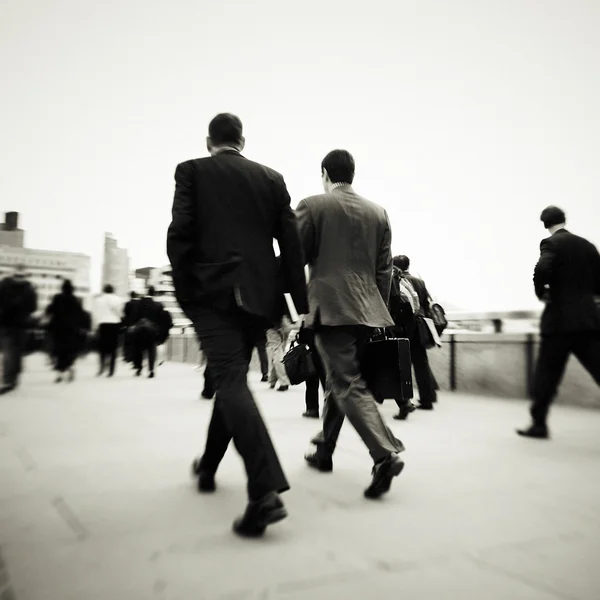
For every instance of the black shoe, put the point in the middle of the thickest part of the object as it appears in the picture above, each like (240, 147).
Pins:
(320, 463)
(539, 432)
(7, 388)
(58, 379)
(383, 473)
(264, 378)
(138, 372)
(206, 480)
(207, 395)
(283, 388)
(425, 406)
(311, 414)
(272, 386)
(259, 515)
(151, 375)
(405, 411)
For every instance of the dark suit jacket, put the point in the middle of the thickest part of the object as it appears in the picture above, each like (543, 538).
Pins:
(567, 275)
(346, 241)
(422, 292)
(226, 212)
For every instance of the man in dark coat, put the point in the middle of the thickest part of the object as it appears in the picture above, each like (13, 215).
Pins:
(567, 279)
(226, 213)
(347, 240)
(18, 301)
(145, 323)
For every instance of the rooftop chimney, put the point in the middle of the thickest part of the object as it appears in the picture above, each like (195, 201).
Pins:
(11, 221)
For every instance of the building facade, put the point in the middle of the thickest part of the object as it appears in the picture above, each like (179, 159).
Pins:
(47, 269)
(115, 266)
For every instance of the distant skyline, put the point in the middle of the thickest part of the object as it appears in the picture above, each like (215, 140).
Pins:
(465, 120)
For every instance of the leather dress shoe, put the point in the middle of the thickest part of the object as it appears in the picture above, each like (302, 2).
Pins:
(319, 462)
(425, 406)
(7, 388)
(383, 473)
(264, 378)
(405, 411)
(206, 480)
(539, 432)
(283, 388)
(311, 414)
(260, 514)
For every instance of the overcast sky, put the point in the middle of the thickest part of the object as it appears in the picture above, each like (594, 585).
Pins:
(465, 118)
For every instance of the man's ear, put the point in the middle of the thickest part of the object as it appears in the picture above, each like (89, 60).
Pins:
(242, 143)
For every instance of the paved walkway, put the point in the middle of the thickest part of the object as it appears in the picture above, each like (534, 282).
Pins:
(96, 502)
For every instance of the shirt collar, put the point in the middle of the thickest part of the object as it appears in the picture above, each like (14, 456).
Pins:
(222, 149)
(334, 186)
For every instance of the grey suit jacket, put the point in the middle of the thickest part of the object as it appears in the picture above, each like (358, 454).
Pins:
(347, 245)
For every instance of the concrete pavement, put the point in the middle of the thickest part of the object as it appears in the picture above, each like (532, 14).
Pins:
(96, 501)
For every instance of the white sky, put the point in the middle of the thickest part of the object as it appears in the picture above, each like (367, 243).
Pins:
(465, 118)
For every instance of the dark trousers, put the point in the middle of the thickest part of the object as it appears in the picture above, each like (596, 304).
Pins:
(261, 348)
(66, 349)
(426, 383)
(311, 395)
(12, 340)
(144, 343)
(552, 360)
(347, 395)
(228, 339)
(209, 382)
(108, 342)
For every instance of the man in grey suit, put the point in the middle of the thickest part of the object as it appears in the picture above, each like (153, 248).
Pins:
(346, 240)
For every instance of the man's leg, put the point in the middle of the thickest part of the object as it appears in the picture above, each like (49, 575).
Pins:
(551, 363)
(228, 341)
(278, 354)
(151, 356)
(311, 396)
(273, 340)
(425, 384)
(339, 348)
(113, 341)
(587, 350)
(262, 355)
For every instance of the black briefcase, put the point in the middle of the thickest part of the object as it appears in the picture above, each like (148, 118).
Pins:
(386, 367)
(298, 363)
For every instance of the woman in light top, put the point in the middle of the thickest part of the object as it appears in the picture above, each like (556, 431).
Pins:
(108, 315)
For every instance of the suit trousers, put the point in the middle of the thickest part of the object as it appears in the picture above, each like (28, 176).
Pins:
(228, 339)
(425, 380)
(311, 396)
(347, 394)
(554, 353)
(276, 341)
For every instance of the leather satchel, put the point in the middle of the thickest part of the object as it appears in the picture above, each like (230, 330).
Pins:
(386, 368)
(298, 363)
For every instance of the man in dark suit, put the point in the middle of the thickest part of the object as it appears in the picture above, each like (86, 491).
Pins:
(226, 212)
(418, 351)
(567, 279)
(346, 240)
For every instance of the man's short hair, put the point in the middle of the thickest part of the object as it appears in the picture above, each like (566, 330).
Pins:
(402, 262)
(552, 215)
(151, 290)
(225, 129)
(133, 295)
(67, 287)
(340, 166)
(108, 289)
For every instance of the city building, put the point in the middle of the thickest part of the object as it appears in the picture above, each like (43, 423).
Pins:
(45, 269)
(115, 266)
(162, 280)
(10, 234)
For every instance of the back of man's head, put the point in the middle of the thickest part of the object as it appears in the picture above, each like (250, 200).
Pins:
(133, 295)
(108, 289)
(151, 291)
(226, 130)
(340, 166)
(402, 262)
(552, 215)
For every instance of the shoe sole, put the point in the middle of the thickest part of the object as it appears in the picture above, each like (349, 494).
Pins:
(318, 468)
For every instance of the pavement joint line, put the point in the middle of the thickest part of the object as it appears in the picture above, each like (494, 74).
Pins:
(536, 585)
(69, 517)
